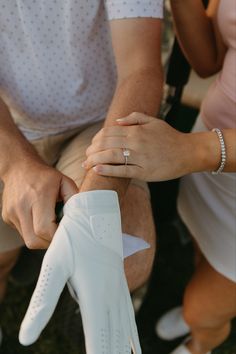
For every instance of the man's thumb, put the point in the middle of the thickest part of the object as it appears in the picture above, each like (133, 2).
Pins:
(68, 189)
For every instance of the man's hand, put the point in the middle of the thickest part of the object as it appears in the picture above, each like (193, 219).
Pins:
(31, 191)
(87, 252)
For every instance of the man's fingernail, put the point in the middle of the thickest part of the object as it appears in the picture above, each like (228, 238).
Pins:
(83, 164)
(120, 119)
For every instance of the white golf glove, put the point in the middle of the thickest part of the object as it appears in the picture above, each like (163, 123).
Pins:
(87, 253)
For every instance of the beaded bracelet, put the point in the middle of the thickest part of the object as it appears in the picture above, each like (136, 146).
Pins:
(223, 151)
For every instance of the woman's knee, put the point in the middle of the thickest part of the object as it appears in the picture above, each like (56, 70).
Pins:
(195, 315)
(200, 310)
(210, 298)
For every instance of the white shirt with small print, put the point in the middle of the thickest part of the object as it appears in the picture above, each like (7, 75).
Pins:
(57, 69)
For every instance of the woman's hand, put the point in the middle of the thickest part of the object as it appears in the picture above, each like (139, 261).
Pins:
(157, 151)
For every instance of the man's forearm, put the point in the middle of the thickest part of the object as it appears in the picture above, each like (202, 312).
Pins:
(140, 92)
(13, 145)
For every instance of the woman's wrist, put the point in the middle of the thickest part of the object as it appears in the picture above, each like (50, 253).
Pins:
(206, 151)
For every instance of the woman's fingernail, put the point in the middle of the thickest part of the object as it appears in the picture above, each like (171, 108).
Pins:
(83, 164)
(97, 169)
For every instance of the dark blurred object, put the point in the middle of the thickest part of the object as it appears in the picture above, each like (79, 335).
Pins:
(59, 211)
(70, 322)
(27, 268)
(176, 78)
(168, 280)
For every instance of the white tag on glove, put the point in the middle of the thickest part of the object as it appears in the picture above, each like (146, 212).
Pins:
(133, 244)
(87, 252)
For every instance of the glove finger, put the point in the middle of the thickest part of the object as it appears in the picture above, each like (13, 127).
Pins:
(126, 346)
(135, 343)
(50, 284)
(95, 318)
(116, 330)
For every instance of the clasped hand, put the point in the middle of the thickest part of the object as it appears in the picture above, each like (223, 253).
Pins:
(31, 191)
(87, 253)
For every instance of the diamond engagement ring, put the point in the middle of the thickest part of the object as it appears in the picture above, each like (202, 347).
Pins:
(126, 154)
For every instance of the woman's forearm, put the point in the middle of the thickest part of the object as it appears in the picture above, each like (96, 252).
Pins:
(158, 152)
(197, 35)
(176, 153)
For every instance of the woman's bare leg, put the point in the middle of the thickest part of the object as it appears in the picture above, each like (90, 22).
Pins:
(209, 306)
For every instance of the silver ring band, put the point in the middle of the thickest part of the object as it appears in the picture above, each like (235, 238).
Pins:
(126, 154)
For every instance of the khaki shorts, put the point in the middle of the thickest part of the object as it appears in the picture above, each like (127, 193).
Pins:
(65, 152)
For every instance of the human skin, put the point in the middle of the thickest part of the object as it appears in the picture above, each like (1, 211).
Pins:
(139, 87)
(158, 152)
(154, 141)
(30, 185)
(208, 316)
(202, 26)
(20, 164)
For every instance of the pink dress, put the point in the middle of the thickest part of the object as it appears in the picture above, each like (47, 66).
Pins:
(206, 202)
(219, 106)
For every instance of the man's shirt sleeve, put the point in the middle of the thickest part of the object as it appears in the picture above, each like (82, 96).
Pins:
(120, 9)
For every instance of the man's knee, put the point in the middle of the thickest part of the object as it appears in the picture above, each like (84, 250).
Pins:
(138, 267)
(137, 220)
